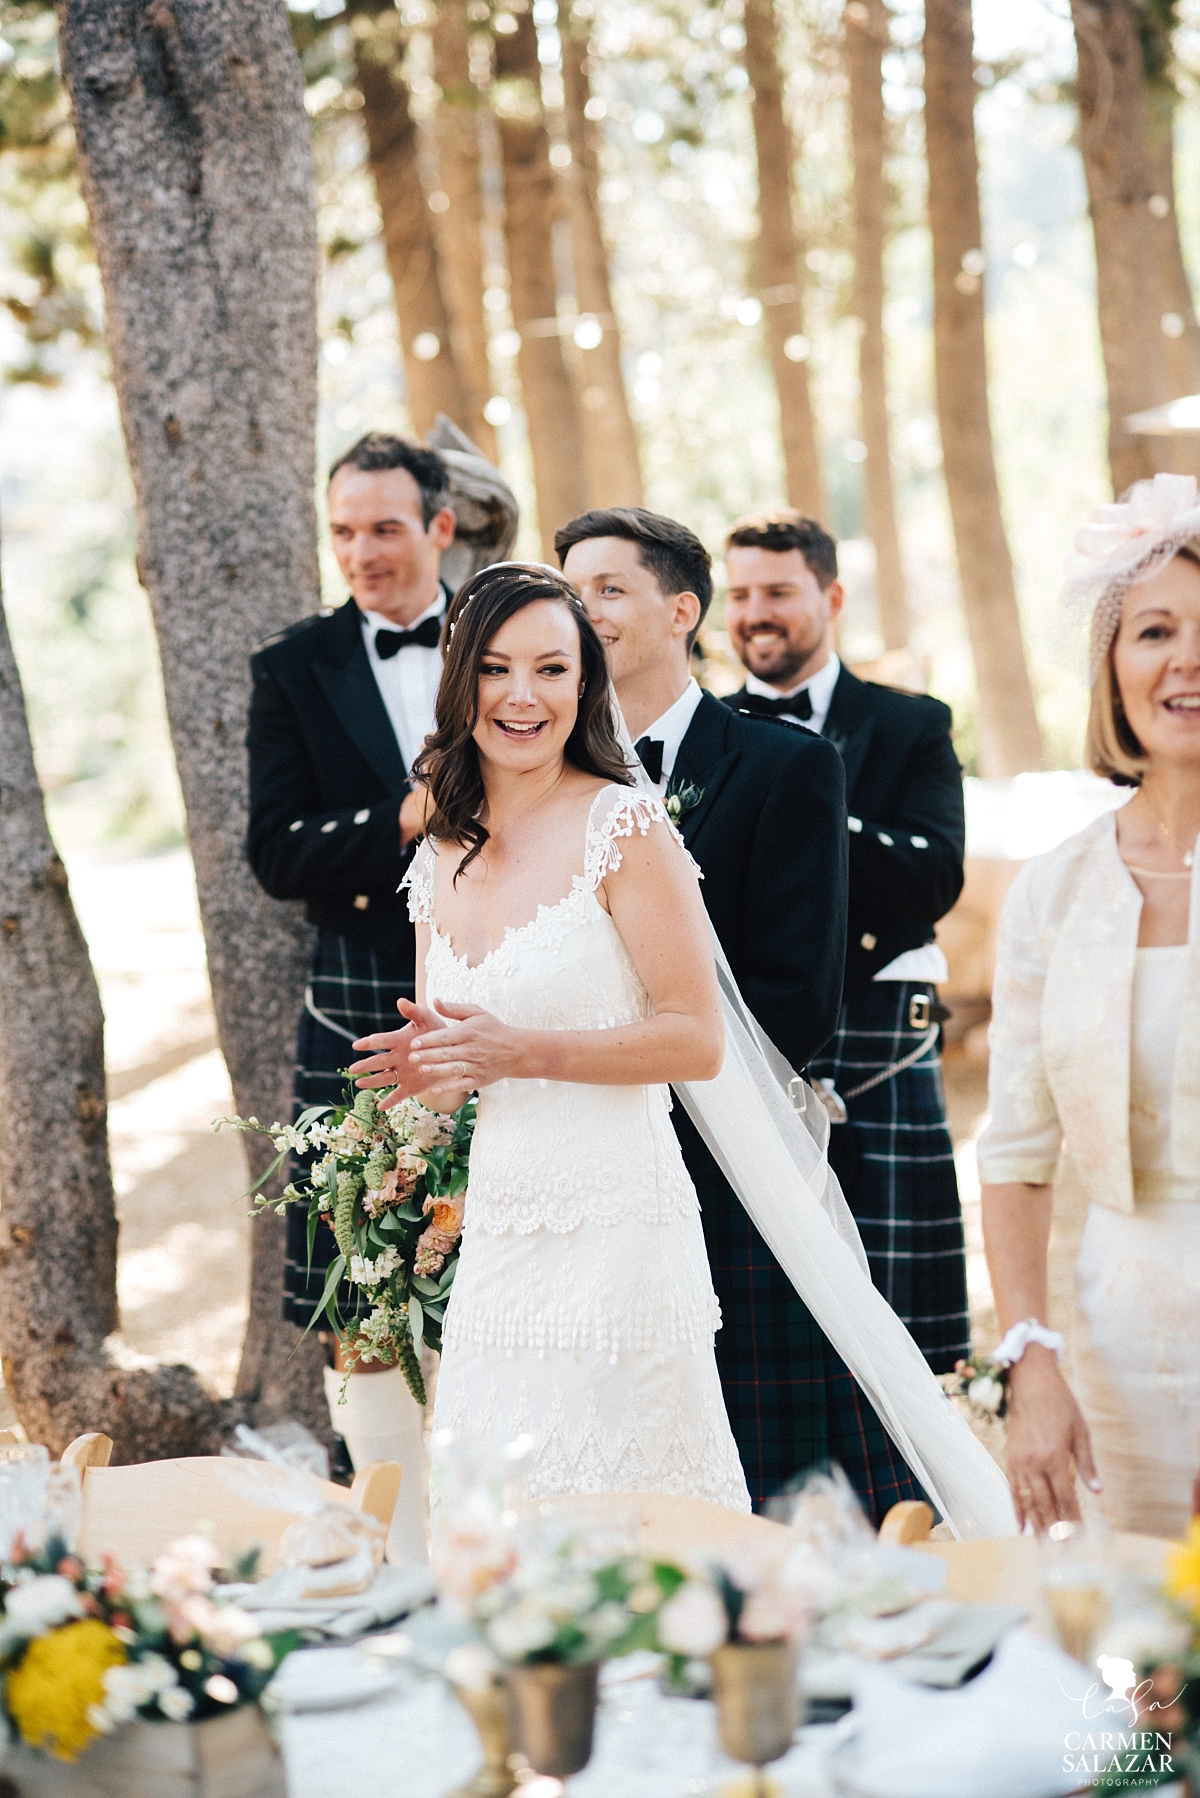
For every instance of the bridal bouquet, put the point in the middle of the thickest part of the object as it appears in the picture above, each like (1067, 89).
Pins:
(390, 1184)
(84, 1650)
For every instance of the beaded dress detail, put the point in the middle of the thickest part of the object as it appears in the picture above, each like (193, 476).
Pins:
(583, 1310)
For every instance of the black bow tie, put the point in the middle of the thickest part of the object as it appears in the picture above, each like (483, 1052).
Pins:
(425, 635)
(649, 752)
(798, 706)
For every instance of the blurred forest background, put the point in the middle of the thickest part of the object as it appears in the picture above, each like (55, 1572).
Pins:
(622, 328)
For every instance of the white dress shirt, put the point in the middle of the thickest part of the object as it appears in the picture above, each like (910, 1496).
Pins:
(928, 962)
(818, 686)
(407, 681)
(672, 728)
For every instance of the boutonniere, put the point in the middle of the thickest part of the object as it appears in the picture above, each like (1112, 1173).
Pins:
(681, 798)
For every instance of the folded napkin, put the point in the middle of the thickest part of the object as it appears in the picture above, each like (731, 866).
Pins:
(276, 1601)
(933, 1644)
(1002, 1736)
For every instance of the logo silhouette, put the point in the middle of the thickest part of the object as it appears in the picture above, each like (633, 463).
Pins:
(1119, 1676)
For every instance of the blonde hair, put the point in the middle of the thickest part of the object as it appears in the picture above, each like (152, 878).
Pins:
(1110, 747)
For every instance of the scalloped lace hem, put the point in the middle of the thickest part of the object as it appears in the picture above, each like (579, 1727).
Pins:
(569, 1328)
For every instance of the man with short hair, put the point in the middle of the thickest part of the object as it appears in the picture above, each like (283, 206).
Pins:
(342, 704)
(904, 792)
(760, 807)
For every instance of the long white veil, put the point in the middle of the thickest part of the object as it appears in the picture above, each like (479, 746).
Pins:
(768, 1131)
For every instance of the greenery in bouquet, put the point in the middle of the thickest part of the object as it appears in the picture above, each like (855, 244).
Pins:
(390, 1184)
(84, 1650)
(562, 1604)
(1167, 1697)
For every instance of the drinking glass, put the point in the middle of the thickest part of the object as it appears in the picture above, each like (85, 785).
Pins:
(1075, 1582)
(24, 1473)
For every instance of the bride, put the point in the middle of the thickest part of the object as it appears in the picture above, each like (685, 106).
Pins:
(565, 972)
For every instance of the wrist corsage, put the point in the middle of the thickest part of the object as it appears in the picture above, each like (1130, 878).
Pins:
(984, 1385)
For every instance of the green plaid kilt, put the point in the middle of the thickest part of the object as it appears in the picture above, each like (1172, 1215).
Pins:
(896, 1166)
(356, 988)
(792, 1401)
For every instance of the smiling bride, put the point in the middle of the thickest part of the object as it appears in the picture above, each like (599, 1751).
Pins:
(565, 972)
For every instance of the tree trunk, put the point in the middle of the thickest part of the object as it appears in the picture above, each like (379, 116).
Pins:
(460, 230)
(1113, 127)
(865, 24)
(195, 158)
(393, 150)
(1009, 739)
(58, 1230)
(1181, 349)
(779, 262)
(555, 439)
(610, 447)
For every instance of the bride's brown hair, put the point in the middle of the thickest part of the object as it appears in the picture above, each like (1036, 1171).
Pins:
(449, 763)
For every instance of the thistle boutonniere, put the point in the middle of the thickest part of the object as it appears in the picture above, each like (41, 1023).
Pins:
(681, 798)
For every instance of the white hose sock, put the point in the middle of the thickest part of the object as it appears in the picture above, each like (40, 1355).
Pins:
(381, 1421)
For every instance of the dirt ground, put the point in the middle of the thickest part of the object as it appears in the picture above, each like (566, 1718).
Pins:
(180, 1185)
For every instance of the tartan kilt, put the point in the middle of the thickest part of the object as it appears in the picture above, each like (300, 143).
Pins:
(896, 1166)
(356, 987)
(792, 1401)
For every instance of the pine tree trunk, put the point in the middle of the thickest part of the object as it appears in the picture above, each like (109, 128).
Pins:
(58, 1230)
(779, 262)
(610, 447)
(555, 438)
(393, 151)
(460, 228)
(865, 24)
(1113, 130)
(195, 158)
(1009, 738)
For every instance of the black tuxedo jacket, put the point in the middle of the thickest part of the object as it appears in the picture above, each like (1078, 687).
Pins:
(769, 833)
(326, 782)
(907, 828)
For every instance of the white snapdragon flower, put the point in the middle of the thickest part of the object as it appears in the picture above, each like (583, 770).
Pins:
(432, 1130)
(370, 1273)
(41, 1604)
(693, 1620)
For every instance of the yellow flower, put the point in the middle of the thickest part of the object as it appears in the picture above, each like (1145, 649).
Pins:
(1183, 1578)
(60, 1676)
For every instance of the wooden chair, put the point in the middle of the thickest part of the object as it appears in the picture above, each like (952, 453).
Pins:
(134, 1513)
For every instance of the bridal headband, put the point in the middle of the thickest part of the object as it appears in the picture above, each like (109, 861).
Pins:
(1125, 543)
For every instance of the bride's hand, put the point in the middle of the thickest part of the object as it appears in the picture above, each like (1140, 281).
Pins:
(466, 1046)
(1046, 1434)
(390, 1063)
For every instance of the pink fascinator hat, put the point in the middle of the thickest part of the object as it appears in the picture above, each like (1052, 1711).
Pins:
(1125, 543)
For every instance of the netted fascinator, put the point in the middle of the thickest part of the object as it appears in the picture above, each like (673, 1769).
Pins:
(1125, 543)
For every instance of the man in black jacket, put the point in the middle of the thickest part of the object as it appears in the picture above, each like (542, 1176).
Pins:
(342, 703)
(904, 793)
(761, 808)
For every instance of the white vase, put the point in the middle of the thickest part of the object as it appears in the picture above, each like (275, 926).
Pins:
(234, 1756)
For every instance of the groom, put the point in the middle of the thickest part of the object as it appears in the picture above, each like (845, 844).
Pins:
(761, 807)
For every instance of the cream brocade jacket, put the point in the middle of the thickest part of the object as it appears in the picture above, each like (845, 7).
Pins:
(1062, 1023)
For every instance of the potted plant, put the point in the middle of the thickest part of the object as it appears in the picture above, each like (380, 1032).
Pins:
(143, 1674)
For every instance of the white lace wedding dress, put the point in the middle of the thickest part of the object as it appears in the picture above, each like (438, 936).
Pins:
(583, 1310)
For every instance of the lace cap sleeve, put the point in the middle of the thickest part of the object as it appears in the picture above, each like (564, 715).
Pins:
(419, 881)
(617, 812)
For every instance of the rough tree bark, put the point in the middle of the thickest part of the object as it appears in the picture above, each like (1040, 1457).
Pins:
(1113, 133)
(779, 261)
(610, 446)
(195, 157)
(1181, 351)
(1009, 738)
(866, 38)
(58, 1226)
(555, 439)
(433, 382)
(460, 227)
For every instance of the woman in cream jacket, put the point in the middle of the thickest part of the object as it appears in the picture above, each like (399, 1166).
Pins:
(1096, 1046)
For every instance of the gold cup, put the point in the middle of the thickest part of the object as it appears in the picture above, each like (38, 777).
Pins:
(758, 1704)
(488, 1708)
(554, 1711)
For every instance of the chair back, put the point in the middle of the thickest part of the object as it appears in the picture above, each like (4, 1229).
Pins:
(134, 1513)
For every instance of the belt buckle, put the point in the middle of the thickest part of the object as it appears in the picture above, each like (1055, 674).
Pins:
(919, 1011)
